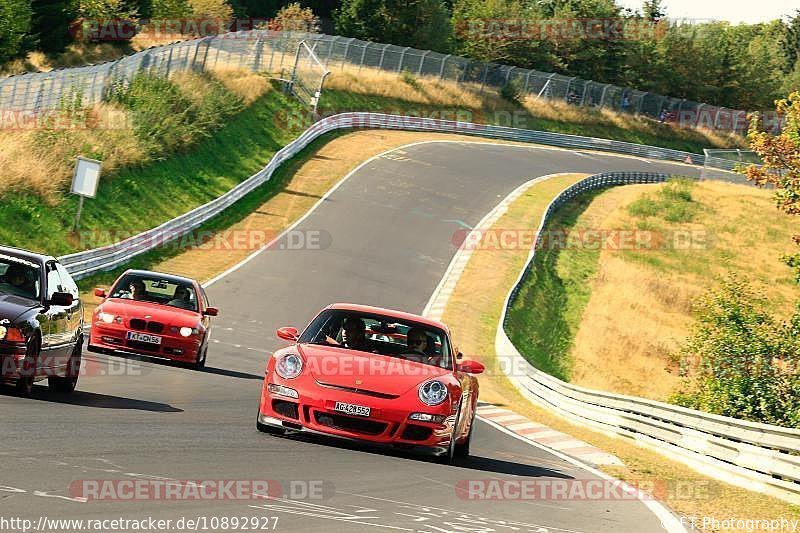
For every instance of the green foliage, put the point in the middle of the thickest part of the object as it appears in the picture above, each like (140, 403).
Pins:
(410, 80)
(50, 24)
(742, 361)
(170, 9)
(673, 202)
(512, 92)
(165, 119)
(15, 22)
(418, 23)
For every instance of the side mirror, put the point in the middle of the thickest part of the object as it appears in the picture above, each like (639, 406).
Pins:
(61, 299)
(211, 311)
(471, 367)
(100, 293)
(288, 334)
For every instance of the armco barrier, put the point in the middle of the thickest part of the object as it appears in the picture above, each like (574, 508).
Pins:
(82, 264)
(755, 456)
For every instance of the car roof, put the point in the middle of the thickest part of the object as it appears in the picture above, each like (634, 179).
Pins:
(161, 275)
(28, 255)
(402, 315)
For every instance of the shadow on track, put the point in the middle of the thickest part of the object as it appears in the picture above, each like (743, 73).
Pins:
(232, 373)
(95, 400)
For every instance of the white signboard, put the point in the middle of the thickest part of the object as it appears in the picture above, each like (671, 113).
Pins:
(86, 177)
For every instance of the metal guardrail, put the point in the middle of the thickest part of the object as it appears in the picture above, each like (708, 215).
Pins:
(85, 263)
(756, 456)
(753, 455)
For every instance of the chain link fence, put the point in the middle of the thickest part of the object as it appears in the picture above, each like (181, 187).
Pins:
(277, 52)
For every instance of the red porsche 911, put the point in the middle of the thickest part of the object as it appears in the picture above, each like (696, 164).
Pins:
(374, 375)
(153, 314)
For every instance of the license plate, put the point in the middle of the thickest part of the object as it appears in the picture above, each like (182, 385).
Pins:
(351, 409)
(144, 337)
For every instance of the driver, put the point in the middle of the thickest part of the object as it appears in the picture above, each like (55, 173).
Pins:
(181, 298)
(417, 341)
(17, 277)
(354, 335)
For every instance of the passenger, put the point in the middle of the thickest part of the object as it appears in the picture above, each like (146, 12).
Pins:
(137, 290)
(181, 298)
(354, 335)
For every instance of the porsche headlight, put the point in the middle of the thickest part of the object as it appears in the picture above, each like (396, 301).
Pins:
(108, 318)
(3, 332)
(289, 366)
(433, 392)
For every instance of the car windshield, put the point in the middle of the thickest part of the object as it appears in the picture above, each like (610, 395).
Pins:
(154, 289)
(19, 277)
(384, 335)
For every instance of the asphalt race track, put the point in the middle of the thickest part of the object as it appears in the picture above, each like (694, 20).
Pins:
(385, 239)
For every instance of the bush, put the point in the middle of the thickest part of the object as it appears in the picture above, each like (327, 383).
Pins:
(15, 21)
(512, 92)
(742, 362)
(165, 119)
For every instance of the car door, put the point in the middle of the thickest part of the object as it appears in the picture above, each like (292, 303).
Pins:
(75, 311)
(55, 336)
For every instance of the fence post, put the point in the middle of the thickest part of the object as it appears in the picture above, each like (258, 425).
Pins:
(402, 56)
(207, 42)
(603, 96)
(585, 90)
(641, 104)
(383, 53)
(258, 54)
(716, 119)
(363, 55)
(527, 81)
(422, 62)
(485, 74)
(346, 51)
(566, 92)
(330, 49)
(508, 74)
(441, 69)
(169, 60)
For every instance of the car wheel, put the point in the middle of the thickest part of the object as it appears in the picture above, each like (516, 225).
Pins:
(462, 450)
(201, 358)
(448, 458)
(68, 383)
(25, 382)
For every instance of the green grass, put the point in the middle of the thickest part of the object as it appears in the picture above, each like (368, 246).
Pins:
(136, 199)
(546, 314)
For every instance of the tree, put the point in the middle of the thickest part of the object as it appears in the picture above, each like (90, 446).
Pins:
(653, 10)
(790, 43)
(293, 17)
(781, 169)
(418, 23)
(50, 24)
(15, 21)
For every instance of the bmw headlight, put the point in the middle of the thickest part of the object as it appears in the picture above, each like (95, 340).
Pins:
(3, 332)
(185, 332)
(289, 366)
(108, 318)
(433, 392)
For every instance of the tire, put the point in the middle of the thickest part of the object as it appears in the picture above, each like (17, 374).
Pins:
(449, 457)
(24, 385)
(68, 383)
(462, 450)
(200, 364)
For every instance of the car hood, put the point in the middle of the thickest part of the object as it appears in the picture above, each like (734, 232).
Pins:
(12, 307)
(169, 316)
(373, 372)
